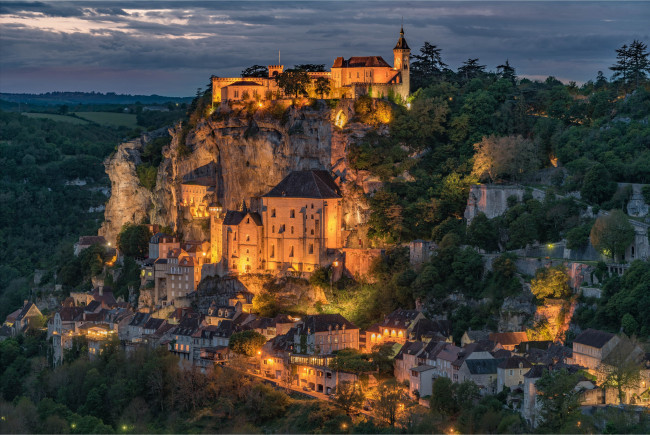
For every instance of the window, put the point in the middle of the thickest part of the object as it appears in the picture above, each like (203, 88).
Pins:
(511, 372)
(235, 238)
(357, 74)
(272, 251)
(272, 212)
(291, 252)
(291, 230)
(247, 251)
(273, 229)
(312, 206)
(292, 213)
(373, 338)
(248, 238)
(248, 220)
(311, 248)
(312, 232)
(317, 226)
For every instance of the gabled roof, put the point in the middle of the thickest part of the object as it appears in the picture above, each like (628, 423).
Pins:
(188, 325)
(536, 372)
(71, 314)
(482, 366)
(153, 323)
(188, 262)
(322, 322)
(140, 319)
(360, 61)
(244, 83)
(508, 338)
(425, 327)
(306, 184)
(477, 335)
(410, 348)
(515, 362)
(234, 217)
(91, 240)
(25, 309)
(106, 297)
(594, 338)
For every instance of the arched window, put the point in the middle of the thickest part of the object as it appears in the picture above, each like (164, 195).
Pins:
(392, 333)
(373, 338)
(399, 334)
(385, 331)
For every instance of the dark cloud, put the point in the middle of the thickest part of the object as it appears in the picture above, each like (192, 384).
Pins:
(136, 46)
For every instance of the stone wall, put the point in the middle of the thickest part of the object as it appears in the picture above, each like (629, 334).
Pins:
(492, 199)
(357, 262)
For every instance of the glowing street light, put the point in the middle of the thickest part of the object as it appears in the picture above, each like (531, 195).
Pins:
(408, 106)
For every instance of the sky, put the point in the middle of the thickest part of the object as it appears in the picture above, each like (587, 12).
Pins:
(173, 47)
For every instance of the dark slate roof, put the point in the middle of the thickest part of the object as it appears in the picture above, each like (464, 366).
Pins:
(410, 348)
(401, 42)
(91, 240)
(92, 306)
(594, 338)
(24, 311)
(140, 319)
(477, 335)
(360, 61)
(244, 83)
(234, 217)
(153, 323)
(513, 363)
(306, 184)
(400, 319)
(482, 366)
(106, 296)
(188, 325)
(425, 327)
(322, 322)
(527, 346)
(70, 314)
(501, 353)
(536, 372)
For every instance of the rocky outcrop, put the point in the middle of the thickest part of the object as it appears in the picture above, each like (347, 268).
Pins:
(492, 199)
(129, 200)
(252, 153)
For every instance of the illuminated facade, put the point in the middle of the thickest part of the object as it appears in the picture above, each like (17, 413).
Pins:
(297, 228)
(348, 78)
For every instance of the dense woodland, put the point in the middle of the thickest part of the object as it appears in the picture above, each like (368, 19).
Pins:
(451, 135)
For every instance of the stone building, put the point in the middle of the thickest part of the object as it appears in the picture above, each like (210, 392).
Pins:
(348, 78)
(591, 347)
(297, 228)
(162, 243)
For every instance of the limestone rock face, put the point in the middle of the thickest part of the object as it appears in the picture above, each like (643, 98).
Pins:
(252, 153)
(129, 200)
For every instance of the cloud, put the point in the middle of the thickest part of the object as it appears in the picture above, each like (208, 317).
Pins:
(178, 45)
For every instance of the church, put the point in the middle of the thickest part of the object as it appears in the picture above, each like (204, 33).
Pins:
(348, 78)
(296, 227)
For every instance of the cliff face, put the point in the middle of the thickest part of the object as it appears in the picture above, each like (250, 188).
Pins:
(251, 154)
(129, 200)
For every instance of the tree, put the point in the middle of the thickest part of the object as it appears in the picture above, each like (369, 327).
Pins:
(442, 396)
(504, 157)
(621, 368)
(559, 400)
(388, 401)
(597, 185)
(293, 82)
(506, 71)
(310, 67)
(322, 86)
(471, 69)
(247, 342)
(622, 66)
(612, 234)
(482, 233)
(255, 71)
(638, 62)
(552, 282)
(133, 240)
(348, 396)
(427, 65)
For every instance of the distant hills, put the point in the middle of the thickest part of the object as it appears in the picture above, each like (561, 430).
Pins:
(72, 98)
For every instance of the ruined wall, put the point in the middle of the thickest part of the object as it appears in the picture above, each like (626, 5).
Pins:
(492, 199)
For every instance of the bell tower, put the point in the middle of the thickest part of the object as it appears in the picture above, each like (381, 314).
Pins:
(401, 56)
(216, 232)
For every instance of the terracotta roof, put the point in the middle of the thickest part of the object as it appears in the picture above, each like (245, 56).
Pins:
(234, 217)
(594, 338)
(188, 262)
(508, 338)
(306, 184)
(360, 61)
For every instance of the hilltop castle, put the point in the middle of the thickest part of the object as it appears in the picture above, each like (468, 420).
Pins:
(365, 75)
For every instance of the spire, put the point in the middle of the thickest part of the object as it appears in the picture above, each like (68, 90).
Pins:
(401, 42)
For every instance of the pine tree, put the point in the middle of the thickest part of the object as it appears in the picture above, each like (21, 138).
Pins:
(426, 66)
(471, 69)
(622, 66)
(506, 71)
(638, 62)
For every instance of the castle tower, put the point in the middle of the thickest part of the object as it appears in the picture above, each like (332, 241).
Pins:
(216, 232)
(401, 56)
(275, 70)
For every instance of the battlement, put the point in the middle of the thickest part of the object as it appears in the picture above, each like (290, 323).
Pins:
(274, 70)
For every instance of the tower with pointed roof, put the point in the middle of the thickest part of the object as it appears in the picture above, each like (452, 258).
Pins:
(401, 56)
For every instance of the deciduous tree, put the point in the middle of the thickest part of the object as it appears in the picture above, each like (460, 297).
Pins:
(504, 157)
(246, 342)
(348, 396)
(552, 282)
(612, 234)
(560, 402)
(293, 82)
(621, 368)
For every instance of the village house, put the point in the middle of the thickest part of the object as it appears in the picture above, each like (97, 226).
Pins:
(421, 380)
(182, 341)
(470, 336)
(440, 355)
(395, 327)
(160, 244)
(322, 334)
(481, 371)
(20, 320)
(511, 371)
(591, 347)
(406, 359)
(86, 242)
